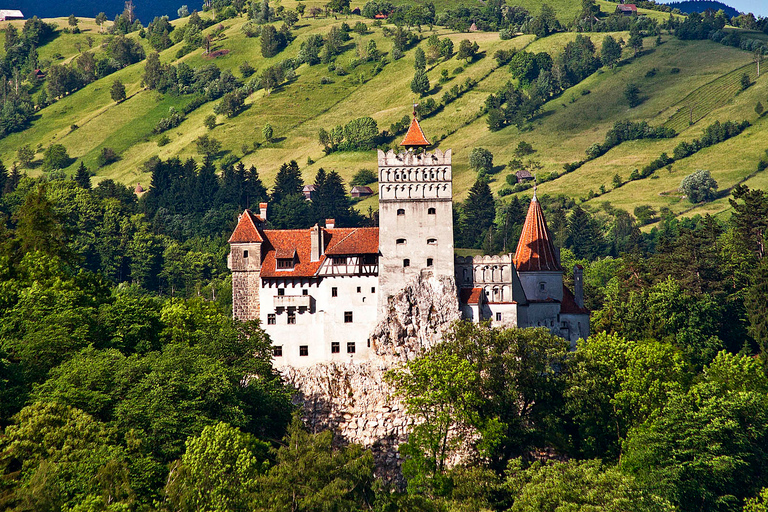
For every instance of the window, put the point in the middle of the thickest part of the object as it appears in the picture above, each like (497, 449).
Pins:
(370, 259)
(498, 317)
(400, 241)
(350, 347)
(335, 348)
(285, 263)
(334, 292)
(432, 241)
(373, 289)
(303, 350)
(291, 317)
(401, 211)
(431, 211)
(339, 260)
(277, 351)
(359, 289)
(280, 292)
(245, 254)
(271, 319)
(542, 287)
(429, 262)
(347, 317)
(406, 262)
(305, 292)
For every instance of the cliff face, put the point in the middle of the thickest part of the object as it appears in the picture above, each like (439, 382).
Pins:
(353, 399)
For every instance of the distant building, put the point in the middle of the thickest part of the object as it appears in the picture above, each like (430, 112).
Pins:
(319, 292)
(523, 176)
(39, 74)
(309, 192)
(139, 189)
(473, 27)
(360, 191)
(10, 14)
(626, 9)
(381, 16)
(356, 11)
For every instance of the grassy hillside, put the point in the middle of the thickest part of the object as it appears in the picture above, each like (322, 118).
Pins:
(674, 78)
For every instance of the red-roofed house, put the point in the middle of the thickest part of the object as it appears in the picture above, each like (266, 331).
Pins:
(626, 9)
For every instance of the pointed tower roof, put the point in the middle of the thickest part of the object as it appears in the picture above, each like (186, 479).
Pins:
(415, 136)
(247, 229)
(535, 251)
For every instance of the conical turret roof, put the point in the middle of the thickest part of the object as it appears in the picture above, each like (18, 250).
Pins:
(535, 250)
(415, 136)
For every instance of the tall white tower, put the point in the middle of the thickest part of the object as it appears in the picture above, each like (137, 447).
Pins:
(415, 214)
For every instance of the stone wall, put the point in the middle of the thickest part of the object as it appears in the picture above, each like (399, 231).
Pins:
(245, 295)
(353, 399)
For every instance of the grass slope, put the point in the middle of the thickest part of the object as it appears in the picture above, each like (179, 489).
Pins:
(708, 79)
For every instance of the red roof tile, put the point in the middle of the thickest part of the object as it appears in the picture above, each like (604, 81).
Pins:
(568, 306)
(415, 136)
(246, 230)
(338, 241)
(535, 250)
(470, 295)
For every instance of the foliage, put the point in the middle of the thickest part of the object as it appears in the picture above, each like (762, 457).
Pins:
(117, 91)
(364, 177)
(699, 186)
(55, 157)
(481, 160)
(358, 135)
(420, 83)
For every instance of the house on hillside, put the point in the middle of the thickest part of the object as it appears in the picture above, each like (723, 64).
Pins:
(360, 191)
(473, 27)
(523, 176)
(626, 9)
(39, 74)
(381, 16)
(10, 14)
(309, 192)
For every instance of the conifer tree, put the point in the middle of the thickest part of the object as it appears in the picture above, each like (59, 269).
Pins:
(83, 177)
(584, 236)
(478, 213)
(287, 182)
(3, 177)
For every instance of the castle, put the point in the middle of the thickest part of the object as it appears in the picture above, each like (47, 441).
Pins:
(319, 292)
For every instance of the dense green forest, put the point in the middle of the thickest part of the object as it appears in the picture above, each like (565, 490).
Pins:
(126, 386)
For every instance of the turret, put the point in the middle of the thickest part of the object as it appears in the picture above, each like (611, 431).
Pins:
(244, 260)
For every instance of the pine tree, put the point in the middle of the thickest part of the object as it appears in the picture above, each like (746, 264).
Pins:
(420, 83)
(478, 213)
(254, 190)
(3, 177)
(754, 302)
(83, 177)
(421, 60)
(331, 200)
(13, 180)
(584, 236)
(287, 182)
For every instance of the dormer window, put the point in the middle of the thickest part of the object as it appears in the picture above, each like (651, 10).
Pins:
(284, 263)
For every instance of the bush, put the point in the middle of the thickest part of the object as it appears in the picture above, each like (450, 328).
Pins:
(745, 81)
(106, 157)
(210, 121)
(163, 140)
(480, 159)
(55, 157)
(364, 177)
(699, 186)
(632, 95)
(246, 69)
(523, 148)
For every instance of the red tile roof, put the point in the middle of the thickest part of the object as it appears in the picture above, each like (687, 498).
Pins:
(535, 250)
(626, 7)
(470, 295)
(338, 241)
(246, 230)
(568, 306)
(415, 136)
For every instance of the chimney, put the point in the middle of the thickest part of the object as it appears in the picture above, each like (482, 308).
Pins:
(317, 245)
(329, 223)
(263, 211)
(578, 285)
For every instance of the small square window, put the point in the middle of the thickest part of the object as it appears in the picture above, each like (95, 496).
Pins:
(350, 347)
(334, 292)
(271, 319)
(303, 350)
(400, 241)
(277, 351)
(401, 211)
(431, 211)
(498, 317)
(359, 289)
(335, 348)
(245, 254)
(292, 317)
(406, 262)
(542, 287)
(429, 262)
(280, 292)
(347, 317)
(305, 292)
(373, 289)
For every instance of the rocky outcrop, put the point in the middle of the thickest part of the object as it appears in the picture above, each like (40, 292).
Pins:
(352, 398)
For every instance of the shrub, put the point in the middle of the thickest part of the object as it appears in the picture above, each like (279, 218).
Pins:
(480, 159)
(163, 140)
(210, 121)
(364, 177)
(55, 157)
(106, 157)
(699, 186)
(246, 69)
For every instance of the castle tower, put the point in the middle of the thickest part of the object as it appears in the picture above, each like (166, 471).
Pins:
(415, 214)
(536, 260)
(244, 260)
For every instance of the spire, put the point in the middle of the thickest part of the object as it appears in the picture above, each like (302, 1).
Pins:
(415, 136)
(535, 251)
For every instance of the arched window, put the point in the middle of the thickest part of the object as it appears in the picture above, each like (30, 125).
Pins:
(400, 241)
(401, 211)
(432, 241)
(431, 211)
